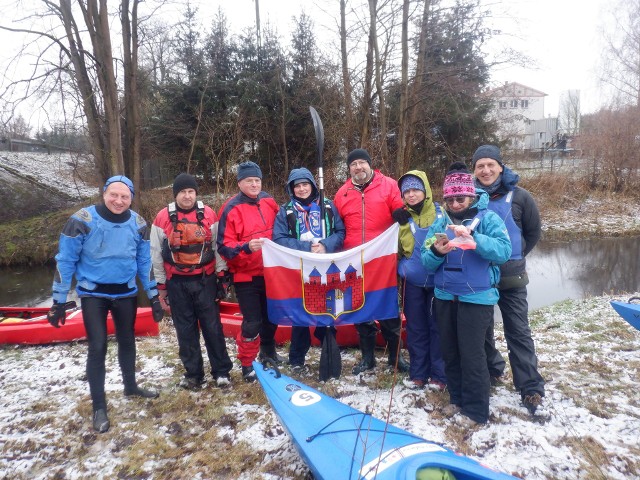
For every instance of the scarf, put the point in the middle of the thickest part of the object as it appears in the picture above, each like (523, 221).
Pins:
(308, 221)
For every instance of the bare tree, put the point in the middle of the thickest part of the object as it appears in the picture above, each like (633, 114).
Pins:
(79, 32)
(621, 56)
(569, 114)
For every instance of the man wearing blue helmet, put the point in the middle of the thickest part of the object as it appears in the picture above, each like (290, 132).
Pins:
(105, 247)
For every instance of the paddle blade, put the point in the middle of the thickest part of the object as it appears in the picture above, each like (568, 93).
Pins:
(330, 360)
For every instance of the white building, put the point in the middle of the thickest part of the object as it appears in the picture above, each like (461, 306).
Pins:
(519, 111)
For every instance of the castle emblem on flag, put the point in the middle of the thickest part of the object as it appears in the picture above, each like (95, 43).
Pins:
(333, 293)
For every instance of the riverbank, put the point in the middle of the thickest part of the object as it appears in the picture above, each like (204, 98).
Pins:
(588, 428)
(568, 207)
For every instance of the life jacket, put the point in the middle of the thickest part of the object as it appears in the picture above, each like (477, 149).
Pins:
(411, 269)
(464, 272)
(502, 206)
(294, 225)
(188, 247)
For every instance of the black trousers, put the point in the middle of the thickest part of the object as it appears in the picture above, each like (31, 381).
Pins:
(522, 351)
(463, 328)
(94, 314)
(390, 329)
(301, 342)
(252, 298)
(194, 310)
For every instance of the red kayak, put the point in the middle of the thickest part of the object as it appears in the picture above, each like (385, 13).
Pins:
(346, 335)
(29, 326)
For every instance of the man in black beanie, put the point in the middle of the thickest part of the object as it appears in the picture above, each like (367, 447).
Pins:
(520, 213)
(185, 262)
(369, 203)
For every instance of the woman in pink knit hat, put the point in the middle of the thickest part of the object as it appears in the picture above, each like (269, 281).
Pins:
(464, 248)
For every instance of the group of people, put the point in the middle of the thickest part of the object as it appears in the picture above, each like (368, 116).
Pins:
(448, 261)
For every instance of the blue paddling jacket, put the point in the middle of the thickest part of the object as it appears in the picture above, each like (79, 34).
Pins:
(104, 256)
(469, 275)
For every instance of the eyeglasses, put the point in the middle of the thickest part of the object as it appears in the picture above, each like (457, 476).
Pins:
(452, 200)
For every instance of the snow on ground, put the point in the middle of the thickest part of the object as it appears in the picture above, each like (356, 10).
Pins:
(68, 173)
(589, 426)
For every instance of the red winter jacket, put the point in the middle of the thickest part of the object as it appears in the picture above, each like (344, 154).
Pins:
(367, 212)
(241, 219)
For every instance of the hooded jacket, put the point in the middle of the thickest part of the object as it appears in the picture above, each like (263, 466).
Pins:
(367, 213)
(286, 230)
(525, 214)
(492, 244)
(422, 219)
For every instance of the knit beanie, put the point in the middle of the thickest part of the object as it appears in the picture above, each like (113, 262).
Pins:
(248, 169)
(458, 182)
(358, 154)
(411, 181)
(122, 179)
(182, 182)
(487, 151)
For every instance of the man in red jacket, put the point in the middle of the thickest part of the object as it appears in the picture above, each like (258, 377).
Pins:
(185, 262)
(245, 221)
(369, 203)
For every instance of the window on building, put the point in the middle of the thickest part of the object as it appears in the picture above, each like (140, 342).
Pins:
(513, 104)
(524, 103)
(502, 104)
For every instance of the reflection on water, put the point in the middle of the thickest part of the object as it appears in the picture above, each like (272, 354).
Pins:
(557, 271)
(574, 270)
(26, 286)
(31, 287)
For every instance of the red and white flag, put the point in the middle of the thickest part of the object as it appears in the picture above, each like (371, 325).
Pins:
(358, 285)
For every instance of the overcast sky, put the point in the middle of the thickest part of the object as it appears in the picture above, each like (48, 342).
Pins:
(561, 36)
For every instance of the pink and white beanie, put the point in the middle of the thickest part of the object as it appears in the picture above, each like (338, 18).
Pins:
(458, 182)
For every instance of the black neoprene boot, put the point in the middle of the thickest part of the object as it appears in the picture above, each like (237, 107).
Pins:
(269, 351)
(403, 365)
(368, 362)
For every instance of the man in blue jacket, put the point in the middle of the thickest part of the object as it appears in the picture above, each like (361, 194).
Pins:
(520, 214)
(105, 247)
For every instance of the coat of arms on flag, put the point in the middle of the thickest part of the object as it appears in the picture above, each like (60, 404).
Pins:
(354, 286)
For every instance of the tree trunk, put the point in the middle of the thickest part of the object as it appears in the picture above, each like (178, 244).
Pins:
(131, 145)
(346, 80)
(97, 22)
(413, 99)
(367, 99)
(382, 106)
(401, 138)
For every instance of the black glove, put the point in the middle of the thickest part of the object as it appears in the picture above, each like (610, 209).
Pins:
(401, 216)
(57, 314)
(156, 309)
(223, 284)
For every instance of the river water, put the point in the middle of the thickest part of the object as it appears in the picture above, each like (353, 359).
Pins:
(557, 271)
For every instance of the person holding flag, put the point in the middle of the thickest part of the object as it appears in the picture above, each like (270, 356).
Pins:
(246, 219)
(369, 202)
(299, 226)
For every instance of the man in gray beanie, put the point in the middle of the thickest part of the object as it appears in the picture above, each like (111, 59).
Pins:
(246, 219)
(520, 214)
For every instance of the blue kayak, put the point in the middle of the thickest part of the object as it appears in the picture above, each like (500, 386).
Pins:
(339, 442)
(629, 311)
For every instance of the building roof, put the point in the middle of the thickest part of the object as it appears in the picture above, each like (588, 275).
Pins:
(514, 89)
